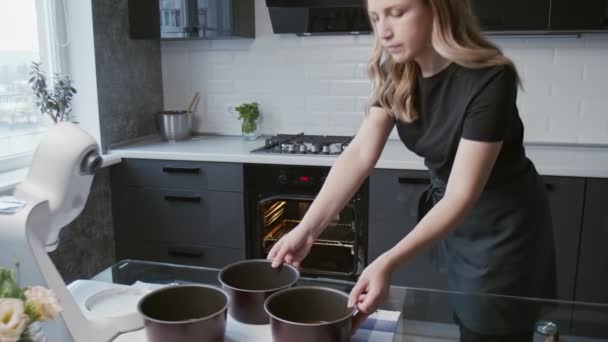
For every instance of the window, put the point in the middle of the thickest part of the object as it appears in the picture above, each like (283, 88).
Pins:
(21, 124)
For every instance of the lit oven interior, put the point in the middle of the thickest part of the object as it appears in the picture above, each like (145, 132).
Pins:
(336, 250)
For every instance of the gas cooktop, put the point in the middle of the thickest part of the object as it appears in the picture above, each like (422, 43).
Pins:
(304, 144)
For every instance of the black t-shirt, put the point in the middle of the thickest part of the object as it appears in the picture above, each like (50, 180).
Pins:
(475, 104)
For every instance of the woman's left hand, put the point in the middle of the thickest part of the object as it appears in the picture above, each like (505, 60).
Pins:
(371, 289)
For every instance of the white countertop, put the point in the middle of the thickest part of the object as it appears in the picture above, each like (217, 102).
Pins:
(550, 160)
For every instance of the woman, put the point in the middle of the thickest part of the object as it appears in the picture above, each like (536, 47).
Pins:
(452, 95)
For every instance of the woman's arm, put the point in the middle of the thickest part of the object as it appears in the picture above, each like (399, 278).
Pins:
(345, 177)
(350, 170)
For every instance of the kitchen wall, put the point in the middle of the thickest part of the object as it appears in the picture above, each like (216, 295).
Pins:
(319, 84)
(128, 92)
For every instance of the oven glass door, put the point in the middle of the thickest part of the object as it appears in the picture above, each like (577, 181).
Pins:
(336, 251)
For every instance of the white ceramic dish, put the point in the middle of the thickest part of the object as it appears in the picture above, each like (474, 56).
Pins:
(115, 302)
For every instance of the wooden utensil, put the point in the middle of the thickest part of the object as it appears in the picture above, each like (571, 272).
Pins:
(194, 99)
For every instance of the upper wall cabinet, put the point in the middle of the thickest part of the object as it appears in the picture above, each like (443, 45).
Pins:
(314, 17)
(191, 19)
(512, 15)
(319, 17)
(541, 16)
(582, 15)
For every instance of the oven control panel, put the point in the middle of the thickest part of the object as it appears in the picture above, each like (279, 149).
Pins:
(301, 179)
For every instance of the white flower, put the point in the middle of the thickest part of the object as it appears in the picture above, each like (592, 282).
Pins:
(44, 302)
(12, 319)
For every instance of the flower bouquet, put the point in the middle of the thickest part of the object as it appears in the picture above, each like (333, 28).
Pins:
(22, 309)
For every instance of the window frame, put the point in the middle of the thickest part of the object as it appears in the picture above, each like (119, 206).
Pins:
(52, 59)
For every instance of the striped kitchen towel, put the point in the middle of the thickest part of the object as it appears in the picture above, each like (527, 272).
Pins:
(379, 327)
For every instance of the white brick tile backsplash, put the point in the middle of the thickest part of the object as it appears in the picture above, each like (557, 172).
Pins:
(349, 54)
(303, 87)
(596, 74)
(211, 57)
(347, 122)
(331, 103)
(582, 89)
(177, 81)
(255, 86)
(350, 88)
(214, 86)
(534, 86)
(526, 57)
(361, 103)
(553, 72)
(595, 109)
(361, 72)
(320, 85)
(331, 71)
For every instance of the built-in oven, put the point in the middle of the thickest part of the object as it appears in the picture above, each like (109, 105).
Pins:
(278, 196)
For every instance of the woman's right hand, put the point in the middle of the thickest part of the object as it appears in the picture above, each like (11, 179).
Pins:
(292, 248)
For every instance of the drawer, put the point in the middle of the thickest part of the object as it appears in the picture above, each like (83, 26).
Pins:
(194, 216)
(183, 254)
(179, 174)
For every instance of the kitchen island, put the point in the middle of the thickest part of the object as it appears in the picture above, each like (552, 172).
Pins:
(425, 314)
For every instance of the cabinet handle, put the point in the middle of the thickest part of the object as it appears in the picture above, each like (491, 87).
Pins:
(181, 169)
(178, 198)
(550, 187)
(187, 252)
(409, 180)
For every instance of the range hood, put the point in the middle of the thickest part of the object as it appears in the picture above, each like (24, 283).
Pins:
(319, 17)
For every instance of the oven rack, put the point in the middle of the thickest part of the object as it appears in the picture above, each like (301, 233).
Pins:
(338, 235)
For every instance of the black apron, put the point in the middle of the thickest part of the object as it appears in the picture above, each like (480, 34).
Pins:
(504, 246)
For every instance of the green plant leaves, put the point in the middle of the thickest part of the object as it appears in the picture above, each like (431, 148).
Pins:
(56, 103)
(8, 285)
(248, 111)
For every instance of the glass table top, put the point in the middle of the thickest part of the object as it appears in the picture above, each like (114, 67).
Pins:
(426, 314)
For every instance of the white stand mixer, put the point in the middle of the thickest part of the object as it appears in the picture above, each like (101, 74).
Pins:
(55, 192)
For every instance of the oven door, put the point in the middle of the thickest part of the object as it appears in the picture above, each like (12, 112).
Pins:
(336, 252)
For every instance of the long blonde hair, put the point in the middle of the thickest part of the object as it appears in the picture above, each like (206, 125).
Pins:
(456, 36)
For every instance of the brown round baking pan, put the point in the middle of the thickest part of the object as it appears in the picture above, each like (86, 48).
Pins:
(250, 282)
(185, 313)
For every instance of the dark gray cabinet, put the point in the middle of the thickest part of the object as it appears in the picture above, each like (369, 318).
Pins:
(592, 273)
(541, 16)
(191, 19)
(512, 15)
(592, 277)
(582, 15)
(180, 212)
(566, 196)
(393, 213)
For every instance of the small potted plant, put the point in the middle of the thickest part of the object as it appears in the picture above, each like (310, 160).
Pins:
(56, 103)
(249, 113)
(21, 310)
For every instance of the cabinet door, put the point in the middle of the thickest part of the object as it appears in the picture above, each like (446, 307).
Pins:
(393, 213)
(178, 253)
(578, 15)
(592, 275)
(512, 15)
(176, 174)
(592, 280)
(566, 196)
(191, 19)
(180, 216)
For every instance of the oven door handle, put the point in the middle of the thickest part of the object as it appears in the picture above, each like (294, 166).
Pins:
(308, 198)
